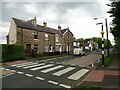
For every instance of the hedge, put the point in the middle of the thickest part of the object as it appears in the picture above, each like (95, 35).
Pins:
(12, 52)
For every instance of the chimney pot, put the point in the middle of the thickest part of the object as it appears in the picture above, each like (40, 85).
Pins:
(59, 27)
(44, 24)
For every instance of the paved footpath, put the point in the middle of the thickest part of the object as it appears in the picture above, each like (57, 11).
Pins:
(106, 77)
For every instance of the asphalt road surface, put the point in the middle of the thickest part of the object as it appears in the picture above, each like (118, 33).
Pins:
(43, 75)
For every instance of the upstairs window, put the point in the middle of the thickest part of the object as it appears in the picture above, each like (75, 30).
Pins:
(35, 35)
(57, 38)
(46, 37)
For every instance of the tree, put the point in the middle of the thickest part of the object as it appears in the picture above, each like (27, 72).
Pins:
(115, 30)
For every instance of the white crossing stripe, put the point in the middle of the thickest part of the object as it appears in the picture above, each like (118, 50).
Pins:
(61, 72)
(29, 75)
(21, 64)
(20, 72)
(51, 69)
(78, 74)
(65, 86)
(53, 82)
(7, 69)
(40, 78)
(13, 71)
(26, 65)
(34, 65)
(37, 68)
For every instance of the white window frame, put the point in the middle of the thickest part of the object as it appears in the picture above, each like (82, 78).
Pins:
(46, 48)
(56, 38)
(46, 37)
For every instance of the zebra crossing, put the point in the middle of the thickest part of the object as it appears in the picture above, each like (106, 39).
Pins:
(48, 67)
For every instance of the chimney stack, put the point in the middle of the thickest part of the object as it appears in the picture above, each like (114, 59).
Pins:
(45, 24)
(59, 28)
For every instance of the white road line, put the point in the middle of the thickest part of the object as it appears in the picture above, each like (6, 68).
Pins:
(13, 71)
(34, 65)
(26, 65)
(37, 68)
(53, 82)
(65, 86)
(3, 68)
(20, 72)
(51, 69)
(7, 69)
(78, 74)
(29, 75)
(21, 64)
(40, 78)
(61, 72)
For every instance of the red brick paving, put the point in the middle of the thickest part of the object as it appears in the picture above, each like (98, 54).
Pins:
(112, 72)
(15, 62)
(96, 76)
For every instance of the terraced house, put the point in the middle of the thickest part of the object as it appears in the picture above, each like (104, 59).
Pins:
(40, 38)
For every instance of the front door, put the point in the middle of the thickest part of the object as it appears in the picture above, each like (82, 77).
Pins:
(28, 48)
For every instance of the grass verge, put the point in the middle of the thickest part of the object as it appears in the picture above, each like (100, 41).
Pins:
(87, 88)
(49, 57)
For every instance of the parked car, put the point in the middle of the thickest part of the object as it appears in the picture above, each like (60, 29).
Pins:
(78, 51)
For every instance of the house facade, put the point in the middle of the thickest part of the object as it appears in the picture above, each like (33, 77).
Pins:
(39, 38)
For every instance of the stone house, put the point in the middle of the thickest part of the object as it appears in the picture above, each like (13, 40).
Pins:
(39, 37)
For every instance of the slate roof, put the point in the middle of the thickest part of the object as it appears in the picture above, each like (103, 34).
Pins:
(28, 25)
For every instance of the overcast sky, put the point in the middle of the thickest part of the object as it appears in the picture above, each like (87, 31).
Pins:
(78, 16)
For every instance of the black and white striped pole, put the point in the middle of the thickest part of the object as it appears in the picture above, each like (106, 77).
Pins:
(102, 32)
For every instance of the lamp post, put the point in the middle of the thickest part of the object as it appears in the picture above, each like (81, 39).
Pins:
(68, 40)
(102, 32)
(108, 52)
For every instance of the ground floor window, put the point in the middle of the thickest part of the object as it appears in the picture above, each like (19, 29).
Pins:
(46, 48)
(36, 48)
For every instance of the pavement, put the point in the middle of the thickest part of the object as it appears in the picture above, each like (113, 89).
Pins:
(107, 77)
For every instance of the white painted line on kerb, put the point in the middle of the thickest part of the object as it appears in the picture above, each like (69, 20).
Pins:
(20, 72)
(37, 68)
(34, 65)
(21, 64)
(61, 72)
(78, 74)
(40, 78)
(51, 69)
(65, 86)
(26, 65)
(53, 82)
(29, 75)
(3, 68)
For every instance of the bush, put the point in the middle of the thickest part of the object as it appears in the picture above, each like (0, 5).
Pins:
(12, 52)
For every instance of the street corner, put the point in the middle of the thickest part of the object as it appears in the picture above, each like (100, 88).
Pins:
(5, 72)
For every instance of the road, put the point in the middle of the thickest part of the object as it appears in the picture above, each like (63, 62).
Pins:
(44, 74)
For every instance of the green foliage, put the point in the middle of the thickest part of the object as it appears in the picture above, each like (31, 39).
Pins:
(87, 88)
(115, 29)
(97, 40)
(12, 52)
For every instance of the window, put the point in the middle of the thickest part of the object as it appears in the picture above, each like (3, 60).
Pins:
(57, 38)
(46, 48)
(35, 35)
(46, 37)
(36, 48)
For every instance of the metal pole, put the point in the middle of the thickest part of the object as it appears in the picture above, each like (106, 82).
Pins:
(102, 46)
(107, 37)
(68, 43)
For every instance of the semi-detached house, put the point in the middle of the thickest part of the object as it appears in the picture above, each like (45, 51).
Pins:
(40, 38)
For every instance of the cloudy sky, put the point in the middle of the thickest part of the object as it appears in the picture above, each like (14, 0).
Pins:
(78, 16)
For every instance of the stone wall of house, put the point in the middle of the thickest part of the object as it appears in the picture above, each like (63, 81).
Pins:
(12, 33)
(65, 41)
(26, 36)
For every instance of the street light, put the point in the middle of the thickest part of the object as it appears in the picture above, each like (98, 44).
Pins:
(102, 32)
(106, 34)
